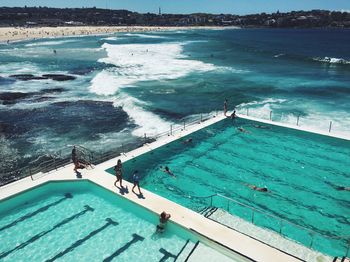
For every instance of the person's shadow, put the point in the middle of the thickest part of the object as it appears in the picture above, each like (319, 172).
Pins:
(78, 174)
(123, 190)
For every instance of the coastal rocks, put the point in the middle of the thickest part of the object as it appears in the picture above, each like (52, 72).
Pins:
(26, 77)
(9, 98)
(59, 77)
(6, 81)
(55, 77)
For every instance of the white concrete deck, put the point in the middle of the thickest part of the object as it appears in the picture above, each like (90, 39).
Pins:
(187, 218)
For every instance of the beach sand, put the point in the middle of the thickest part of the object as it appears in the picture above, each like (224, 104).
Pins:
(9, 34)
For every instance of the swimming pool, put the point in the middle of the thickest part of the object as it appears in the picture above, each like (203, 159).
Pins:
(80, 221)
(301, 171)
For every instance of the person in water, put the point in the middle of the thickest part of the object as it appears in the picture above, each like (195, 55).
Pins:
(163, 219)
(241, 129)
(342, 188)
(260, 189)
(167, 171)
(136, 180)
(118, 173)
(187, 141)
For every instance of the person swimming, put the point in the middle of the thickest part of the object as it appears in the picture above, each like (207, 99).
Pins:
(167, 171)
(241, 129)
(187, 141)
(260, 189)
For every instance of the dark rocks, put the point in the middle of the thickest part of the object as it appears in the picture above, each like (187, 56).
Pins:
(59, 77)
(56, 77)
(52, 90)
(9, 98)
(6, 81)
(26, 77)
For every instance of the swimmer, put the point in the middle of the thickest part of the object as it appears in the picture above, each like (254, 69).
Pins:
(163, 219)
(261, 127)
(243, 130)
(187, 141)
(260, 189)
(167, 171)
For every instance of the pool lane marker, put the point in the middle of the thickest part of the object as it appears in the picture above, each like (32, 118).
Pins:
(135, 238)
(41, 234)
(79, 242)
(40, 210)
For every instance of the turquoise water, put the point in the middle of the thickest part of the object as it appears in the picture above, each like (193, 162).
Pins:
(82, 222)
(301, 171)
(128, 84)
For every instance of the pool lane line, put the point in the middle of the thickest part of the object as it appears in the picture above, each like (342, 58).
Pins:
(195, 246)
(41, 234)
(40, 210)
(135, 238)
(166, 254)
(182, 249)
(79, 242)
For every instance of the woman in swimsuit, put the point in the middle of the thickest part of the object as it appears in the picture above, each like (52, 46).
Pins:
(118, 173)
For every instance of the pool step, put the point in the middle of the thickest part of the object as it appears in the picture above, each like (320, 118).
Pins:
(202, 252)
(341, 259)
(185, 251)
(268, 236)
(208, 211)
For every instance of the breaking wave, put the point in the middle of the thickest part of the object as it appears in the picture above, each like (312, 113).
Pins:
(332, 60)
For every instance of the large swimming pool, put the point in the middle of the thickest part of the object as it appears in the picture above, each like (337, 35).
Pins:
(79, 221)
(301, 170)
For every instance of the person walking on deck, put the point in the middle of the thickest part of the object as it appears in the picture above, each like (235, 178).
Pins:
(118, 173)
(136, 179)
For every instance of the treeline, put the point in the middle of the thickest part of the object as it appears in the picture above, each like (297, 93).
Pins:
(44, 16)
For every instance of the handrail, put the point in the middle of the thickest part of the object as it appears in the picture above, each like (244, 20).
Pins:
(310, 231)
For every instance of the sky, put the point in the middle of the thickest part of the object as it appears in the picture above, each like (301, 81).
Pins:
(239, 7)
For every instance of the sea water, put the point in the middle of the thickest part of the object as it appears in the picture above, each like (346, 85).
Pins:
(131, 84)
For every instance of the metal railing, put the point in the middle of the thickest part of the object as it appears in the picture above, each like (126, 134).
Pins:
(270, 115)
(281, 226)
(62, 157)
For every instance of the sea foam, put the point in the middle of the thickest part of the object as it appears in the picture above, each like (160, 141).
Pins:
(140, 62)
(332, 60)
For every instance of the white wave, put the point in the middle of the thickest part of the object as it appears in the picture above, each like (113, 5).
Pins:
(49, 43)
(145, 35)
(278, 55)
(140, 62)
(108, 83)
(111, 38)
(262, 102)
(315, 116)
(332, 60)
(148, 123)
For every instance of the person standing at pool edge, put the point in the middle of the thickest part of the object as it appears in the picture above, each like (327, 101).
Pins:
(136, 179)
(225, 107)
(118, 173)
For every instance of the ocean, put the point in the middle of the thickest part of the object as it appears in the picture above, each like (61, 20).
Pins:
(126, 85)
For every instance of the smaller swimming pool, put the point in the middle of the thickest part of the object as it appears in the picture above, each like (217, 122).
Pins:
(80, 221)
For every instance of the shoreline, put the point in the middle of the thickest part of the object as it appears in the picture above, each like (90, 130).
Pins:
(16, 34)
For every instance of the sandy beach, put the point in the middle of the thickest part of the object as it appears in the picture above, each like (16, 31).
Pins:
(9, 34)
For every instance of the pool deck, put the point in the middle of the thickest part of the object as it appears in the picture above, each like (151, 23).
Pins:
(247, 247)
